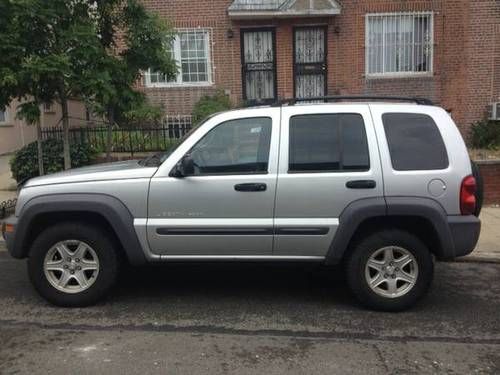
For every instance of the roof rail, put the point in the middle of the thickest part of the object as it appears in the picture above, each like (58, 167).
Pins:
(339, 98)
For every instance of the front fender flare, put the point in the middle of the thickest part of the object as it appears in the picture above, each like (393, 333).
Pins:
(110, 208)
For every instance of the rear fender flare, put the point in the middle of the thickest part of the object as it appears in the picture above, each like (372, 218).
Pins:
(359, 211)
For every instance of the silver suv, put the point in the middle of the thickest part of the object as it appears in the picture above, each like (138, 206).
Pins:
(381, 188)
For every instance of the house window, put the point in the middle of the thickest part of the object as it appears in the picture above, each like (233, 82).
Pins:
(399, 44)
(3, 117)
(191, 51)
(48, 108)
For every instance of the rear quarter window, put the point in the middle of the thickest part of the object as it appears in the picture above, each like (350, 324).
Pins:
(415, 143)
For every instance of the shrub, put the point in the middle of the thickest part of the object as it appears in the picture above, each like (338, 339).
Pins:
(24, 164)
(209, 105)
(485, 134)
(144, 114)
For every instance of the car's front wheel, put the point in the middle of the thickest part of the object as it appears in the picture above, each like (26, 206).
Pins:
(73, 264)
(389, 270)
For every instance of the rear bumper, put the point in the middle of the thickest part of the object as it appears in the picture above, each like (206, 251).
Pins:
(465, 232)
(8, 236)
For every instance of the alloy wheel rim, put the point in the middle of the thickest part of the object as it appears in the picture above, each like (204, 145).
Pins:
(391, 271)
(71, 266)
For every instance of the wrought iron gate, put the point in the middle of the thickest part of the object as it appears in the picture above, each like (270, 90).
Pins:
(259, 65)
(309, 63)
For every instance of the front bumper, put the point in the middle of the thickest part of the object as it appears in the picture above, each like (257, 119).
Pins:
(465, 232)
(9, 236)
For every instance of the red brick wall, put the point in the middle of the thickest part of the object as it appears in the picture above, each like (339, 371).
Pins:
(466, 53)
(225, 52)
(491, 177)
(483, 57)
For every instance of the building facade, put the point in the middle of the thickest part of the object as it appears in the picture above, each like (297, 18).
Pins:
(15, 133)
(258, 51)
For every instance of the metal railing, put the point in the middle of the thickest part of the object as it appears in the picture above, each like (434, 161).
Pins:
(7, 207)
(147, 138)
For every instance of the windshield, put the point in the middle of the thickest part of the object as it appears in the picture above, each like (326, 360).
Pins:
(157, 159)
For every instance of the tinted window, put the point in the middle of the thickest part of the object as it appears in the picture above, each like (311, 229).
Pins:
(237, 146)
(329, 142)
(415, 142)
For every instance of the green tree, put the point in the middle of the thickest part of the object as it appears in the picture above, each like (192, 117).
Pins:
(15, 80)
(50, 54)
(92, 50)
(132, 40)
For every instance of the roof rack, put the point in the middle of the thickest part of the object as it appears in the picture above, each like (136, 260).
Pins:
(339, 98)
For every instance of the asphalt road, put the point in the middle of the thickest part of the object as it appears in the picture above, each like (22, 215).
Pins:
(251, 319)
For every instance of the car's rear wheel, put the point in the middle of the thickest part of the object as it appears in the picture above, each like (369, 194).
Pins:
(389, 270)
(73, 264)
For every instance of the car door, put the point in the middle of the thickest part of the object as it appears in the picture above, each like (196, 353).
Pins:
(328, 159)
(225, 209)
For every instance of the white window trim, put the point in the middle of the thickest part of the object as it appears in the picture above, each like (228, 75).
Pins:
(390, 75)
(177, 53)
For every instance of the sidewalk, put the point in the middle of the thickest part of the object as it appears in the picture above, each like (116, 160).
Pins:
(488, 247)
(6, 180)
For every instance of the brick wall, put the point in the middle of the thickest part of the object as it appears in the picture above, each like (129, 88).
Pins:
(466, 53)
(490, 170)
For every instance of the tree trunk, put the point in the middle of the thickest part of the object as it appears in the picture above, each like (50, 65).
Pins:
(39, 148)
(109, 140)
(65, 123)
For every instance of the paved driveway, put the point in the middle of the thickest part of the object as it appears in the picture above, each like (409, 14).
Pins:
(251, 319)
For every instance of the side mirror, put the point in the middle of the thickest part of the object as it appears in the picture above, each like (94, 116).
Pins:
(187, 164)
(185, 167)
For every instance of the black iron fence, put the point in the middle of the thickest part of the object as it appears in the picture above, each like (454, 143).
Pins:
(7, 207)
(149, 138)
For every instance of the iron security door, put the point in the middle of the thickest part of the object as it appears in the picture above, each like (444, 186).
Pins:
(258, 65)
(309, 66)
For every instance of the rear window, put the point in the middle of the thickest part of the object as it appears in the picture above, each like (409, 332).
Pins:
(415, 142)
(328, 143)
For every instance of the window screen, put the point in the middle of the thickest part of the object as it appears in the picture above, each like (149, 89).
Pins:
(234, 147)
(328, 142)
(415, 142)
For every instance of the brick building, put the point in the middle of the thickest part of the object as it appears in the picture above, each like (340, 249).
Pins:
(261, 50)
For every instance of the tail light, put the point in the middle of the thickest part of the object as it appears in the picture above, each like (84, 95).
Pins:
(468, 196)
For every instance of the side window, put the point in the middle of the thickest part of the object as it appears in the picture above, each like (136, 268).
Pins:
(328, 143)
(415, 142)
(234, 147)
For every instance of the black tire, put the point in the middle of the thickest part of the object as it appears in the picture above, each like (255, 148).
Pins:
(359, 255)
(479, 188)
(108, 256)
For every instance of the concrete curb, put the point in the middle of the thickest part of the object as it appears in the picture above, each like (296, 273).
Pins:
(487, 258)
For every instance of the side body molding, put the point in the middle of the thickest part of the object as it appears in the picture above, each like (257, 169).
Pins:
(110, 208)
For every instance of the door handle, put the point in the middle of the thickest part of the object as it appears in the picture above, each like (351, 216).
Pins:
(361, 184)
(250, 187)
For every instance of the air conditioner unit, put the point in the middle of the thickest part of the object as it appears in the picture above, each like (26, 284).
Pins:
(495, 111)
